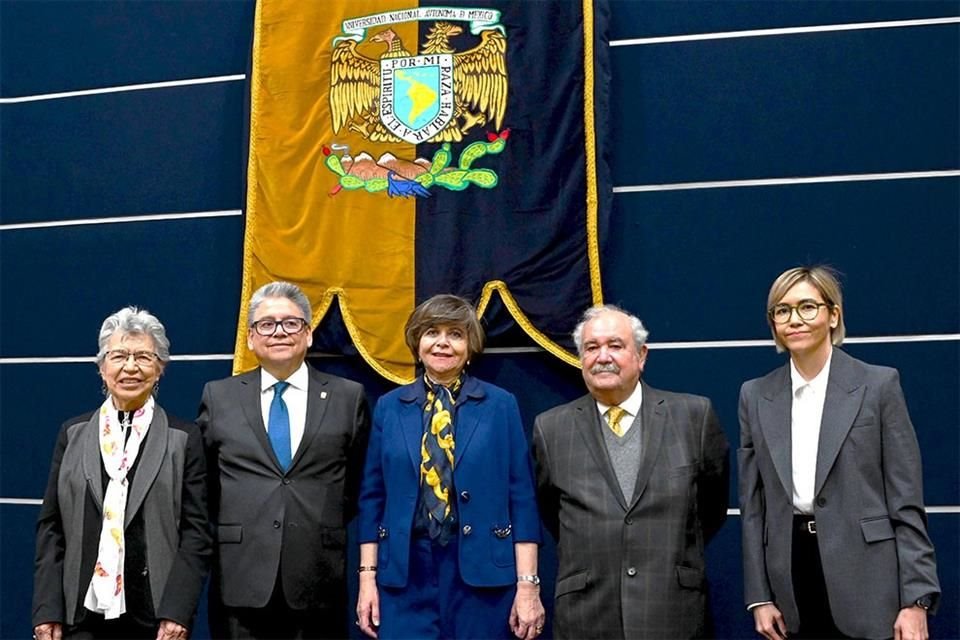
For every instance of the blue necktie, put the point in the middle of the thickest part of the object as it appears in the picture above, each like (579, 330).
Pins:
(279, 427)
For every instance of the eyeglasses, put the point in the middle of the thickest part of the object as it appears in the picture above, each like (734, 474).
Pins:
(269, 326)
(807, 310)
(119, 357)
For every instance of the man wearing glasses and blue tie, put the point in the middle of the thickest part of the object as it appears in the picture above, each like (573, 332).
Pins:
(285, 446)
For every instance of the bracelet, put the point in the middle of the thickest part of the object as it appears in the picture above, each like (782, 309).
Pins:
(362, 568)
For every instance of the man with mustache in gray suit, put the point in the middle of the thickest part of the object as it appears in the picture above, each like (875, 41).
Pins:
(632, 483)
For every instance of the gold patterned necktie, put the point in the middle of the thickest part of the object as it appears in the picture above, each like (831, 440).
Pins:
(614, 416)
(437, 456)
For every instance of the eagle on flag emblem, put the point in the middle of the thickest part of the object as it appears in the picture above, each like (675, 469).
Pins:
(438, 95)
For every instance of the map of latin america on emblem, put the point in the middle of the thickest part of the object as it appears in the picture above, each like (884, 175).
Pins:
(416, 96)
(435, 94)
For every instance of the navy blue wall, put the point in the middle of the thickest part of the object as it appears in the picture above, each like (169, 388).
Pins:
(693, 263)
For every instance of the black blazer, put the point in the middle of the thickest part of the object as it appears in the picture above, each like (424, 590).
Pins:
(267, 520)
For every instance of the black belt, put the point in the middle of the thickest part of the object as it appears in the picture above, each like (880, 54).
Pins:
(805, 524)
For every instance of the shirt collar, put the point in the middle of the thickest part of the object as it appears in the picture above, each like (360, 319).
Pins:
(298, 379)
(819, 382)
(631, 405)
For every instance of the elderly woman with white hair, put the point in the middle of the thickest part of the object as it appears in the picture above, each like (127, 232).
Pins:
(123, 544)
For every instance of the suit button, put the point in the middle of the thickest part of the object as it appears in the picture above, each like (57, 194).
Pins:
(821, 501)
(629, 520)
(467, 529)
(465, 496)
(276, 524)
(632, 571)
(286, 481)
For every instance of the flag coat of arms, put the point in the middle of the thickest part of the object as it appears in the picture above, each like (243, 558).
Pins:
(400, 149)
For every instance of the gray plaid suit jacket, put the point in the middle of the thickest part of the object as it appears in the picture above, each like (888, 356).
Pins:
(632, 570)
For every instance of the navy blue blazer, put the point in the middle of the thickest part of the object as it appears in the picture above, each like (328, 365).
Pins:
(492, 474)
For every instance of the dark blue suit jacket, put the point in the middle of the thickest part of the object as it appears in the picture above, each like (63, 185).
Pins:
(492, 474)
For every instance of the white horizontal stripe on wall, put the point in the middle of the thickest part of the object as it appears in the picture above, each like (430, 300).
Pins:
(122, 219)
(726, 344)
(699, 344)
(200, 357)
(678, 186)
(123, 88)
(769, 182)
(783, 31)
(753, 33)
(940, 509)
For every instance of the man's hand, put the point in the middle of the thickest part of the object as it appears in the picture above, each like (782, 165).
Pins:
(911, 624)
(768, 621)
(48, 631)
(170, 630)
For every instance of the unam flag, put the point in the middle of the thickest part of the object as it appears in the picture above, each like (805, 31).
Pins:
(400, 149)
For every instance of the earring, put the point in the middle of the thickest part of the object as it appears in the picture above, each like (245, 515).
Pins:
(156, 388)
(103, 389)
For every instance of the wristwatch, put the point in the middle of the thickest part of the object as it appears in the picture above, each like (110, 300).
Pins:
(535, 579)
(925, 602)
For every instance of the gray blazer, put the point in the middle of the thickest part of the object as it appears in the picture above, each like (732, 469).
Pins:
(271, 523)
(168, 490)
(871, 523)
(632, 570)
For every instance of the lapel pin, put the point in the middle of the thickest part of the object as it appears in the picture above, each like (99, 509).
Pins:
(323, 395)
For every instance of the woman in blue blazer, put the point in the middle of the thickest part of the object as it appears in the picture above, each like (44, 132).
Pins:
(448, 524)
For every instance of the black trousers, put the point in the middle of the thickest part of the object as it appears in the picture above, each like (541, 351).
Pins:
(809, 586)
(95, 627)
(277, 621)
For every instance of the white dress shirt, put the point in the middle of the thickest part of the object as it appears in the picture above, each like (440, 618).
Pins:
(806, 412)
(631, 405)
(295, 398)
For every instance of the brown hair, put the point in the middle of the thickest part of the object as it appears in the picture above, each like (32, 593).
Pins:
(444, 309)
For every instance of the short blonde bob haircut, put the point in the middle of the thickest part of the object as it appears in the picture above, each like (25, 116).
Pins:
(824, 279)
(444, 309)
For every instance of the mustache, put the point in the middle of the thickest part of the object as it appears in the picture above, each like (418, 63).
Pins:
(609, 367)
